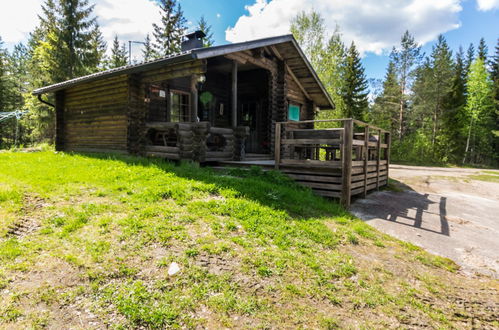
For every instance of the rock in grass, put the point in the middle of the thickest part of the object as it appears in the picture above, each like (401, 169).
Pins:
(173, 269)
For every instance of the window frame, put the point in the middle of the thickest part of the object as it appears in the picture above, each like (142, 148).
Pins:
(181, 118)
(295, 104)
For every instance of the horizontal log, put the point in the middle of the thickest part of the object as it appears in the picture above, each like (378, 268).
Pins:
(311, 163)
(369, 187)
(220, 130)
(161, 125)
(369, 175)
(98, 83)
(118, 87)
(311, 141)
(162, 149)
(219, 154)
(95, 150)
(315, 178)
(325, 186)
(369, 163)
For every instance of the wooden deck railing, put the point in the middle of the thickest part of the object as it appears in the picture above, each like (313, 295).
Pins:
(335, 162)
(198, 141)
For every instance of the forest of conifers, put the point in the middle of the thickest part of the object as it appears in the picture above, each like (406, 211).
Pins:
(441, 107)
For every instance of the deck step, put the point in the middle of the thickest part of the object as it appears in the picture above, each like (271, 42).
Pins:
(252, 156)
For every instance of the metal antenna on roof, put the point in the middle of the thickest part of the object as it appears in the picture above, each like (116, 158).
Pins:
(130, 42)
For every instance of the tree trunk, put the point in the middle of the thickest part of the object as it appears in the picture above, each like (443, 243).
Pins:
(467, 141)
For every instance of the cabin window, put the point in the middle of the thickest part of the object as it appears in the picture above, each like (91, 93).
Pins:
(156, 102)
(293, 112)
(179, 106)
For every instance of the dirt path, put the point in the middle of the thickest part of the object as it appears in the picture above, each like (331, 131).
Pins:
(442, 210)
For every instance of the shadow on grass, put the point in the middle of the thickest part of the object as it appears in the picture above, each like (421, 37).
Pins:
(269, 188)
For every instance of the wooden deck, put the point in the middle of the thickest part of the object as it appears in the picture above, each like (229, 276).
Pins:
(348, 159)
(336, 162)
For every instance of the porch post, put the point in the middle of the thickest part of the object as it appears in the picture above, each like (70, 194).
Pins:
(234, 94)
(194, 99)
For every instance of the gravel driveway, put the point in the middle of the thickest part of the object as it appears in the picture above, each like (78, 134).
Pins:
(443, 210)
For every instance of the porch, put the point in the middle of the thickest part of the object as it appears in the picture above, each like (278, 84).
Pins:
(336, 158)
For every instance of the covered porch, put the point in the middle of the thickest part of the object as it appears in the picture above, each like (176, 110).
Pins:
(221, 113)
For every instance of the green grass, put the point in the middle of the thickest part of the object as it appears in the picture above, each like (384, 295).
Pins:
(254, 250)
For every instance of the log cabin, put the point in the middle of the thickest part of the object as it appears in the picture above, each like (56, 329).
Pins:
(242, 104)
(203, 104)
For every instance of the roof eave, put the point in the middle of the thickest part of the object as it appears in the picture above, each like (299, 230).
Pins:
(314, 74)
(117, 72)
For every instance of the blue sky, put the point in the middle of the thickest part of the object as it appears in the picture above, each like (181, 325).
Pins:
(474, 24)
(374, 25)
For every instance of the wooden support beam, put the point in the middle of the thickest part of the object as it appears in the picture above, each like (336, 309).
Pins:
(378, 154)
(277, 149)
(388, 143)
(278, 55)
(346, 156)
(298, 82)
(194, 98)
(234, 94)
(366, 156)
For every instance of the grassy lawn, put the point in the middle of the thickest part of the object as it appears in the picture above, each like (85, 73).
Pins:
(86, 241)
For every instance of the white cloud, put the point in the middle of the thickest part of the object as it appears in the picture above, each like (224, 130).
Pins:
(374, 25)
(129, 19)
(485, 5)
(219, 15)
(17, 19)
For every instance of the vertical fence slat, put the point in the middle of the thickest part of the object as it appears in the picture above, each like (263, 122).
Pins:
(277, 149)
(347, 162)
(388, 142)
(378, 155)
(366, 157)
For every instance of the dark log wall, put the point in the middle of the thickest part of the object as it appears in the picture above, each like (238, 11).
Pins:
(136, 116)
(95, 116)
(59, 121)
(218, 84)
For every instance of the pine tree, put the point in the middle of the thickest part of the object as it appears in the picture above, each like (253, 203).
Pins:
(168, 34)
(66, 44)
(206, 28)
(452, 123)
(97, 54)
(354, 91)
(73, 47)
(443, 71)
(18, 62)
(148, 52)
(3, 77)
(494, 75)
(406, 60)
(119, 56)
(470, 57)
(386, 106)
(482, 50)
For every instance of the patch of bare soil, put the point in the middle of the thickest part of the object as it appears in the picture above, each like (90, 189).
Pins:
(466, 302)
(29, 221)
